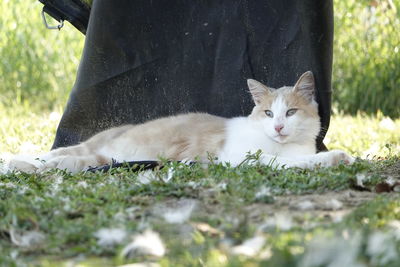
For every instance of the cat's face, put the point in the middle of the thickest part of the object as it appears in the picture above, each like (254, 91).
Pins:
(287, 114)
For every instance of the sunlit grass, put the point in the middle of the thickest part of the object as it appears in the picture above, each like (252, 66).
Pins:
(37, 66)
(366, 62)
(26, 132)
(364, 135)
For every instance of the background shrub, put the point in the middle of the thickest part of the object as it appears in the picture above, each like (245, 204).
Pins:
(37, 66)
(366, 69)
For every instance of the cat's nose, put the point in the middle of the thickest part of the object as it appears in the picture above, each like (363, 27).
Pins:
(279, 127)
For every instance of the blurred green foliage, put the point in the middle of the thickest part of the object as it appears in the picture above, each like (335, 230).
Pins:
(38, 66)
(366, 69)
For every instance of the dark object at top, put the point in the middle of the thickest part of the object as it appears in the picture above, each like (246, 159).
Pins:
(147, 59)
(75, 11)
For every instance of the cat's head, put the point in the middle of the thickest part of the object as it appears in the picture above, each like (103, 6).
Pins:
(288, 114)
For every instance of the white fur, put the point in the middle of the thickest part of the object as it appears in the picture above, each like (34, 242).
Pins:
(246, 136)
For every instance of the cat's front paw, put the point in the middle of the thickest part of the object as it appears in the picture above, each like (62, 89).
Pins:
(24, 164)
(336, 157)
(67, 163)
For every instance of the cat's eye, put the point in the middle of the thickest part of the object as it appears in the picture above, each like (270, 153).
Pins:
(269, 113)
(291, 112)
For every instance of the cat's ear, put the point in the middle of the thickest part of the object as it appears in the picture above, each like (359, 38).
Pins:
(305, 86)
(257, 90)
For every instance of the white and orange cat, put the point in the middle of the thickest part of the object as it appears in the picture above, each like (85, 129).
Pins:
(284, 125)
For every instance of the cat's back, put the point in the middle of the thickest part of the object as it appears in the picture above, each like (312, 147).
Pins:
(191, 120)
(183, 136)
(188, 122)
(194, 128)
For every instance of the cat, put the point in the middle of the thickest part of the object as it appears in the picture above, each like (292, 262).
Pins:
(283, 124)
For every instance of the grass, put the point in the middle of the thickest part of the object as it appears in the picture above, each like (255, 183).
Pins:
(61, 215)
(37, 66)
(219, 216)
(366, 66)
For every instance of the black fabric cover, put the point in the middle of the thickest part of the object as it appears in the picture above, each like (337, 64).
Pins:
(148, 59)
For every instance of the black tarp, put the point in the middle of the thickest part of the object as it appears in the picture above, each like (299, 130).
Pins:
(147, 59)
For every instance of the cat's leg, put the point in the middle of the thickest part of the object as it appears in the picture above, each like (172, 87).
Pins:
(32, 164)
(24, 163)
(68, 158)
(74, 159)
(74, 164)
(77, 150)
(329, 158)
(323, 159)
